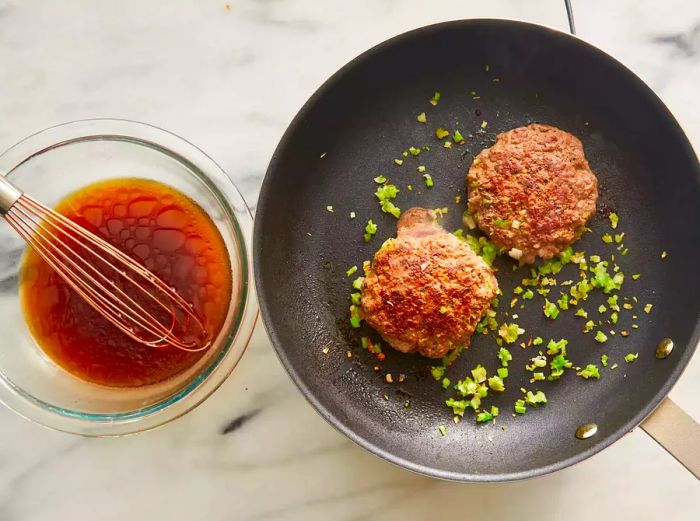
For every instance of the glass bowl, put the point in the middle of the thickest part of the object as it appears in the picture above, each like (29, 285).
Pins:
(50, 165)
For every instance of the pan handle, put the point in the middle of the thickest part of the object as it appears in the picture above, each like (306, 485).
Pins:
(677, 432)
(570, 16)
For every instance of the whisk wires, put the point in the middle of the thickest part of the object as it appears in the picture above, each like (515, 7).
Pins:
(119, 288)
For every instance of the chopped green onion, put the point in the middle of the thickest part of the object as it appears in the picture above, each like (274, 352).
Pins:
(519, 407)
(479, 373)
(484, 416)
(563, 302)
(457, 137)
(357, 283)
(647, 308)
(442, 428)
(447, 144)
(385, 194)
(421, 169)
(559, 347)
(552, 266)
(588, 326)
(436, 97)
(502, 372)
(600, 337)
(441, 133)
(354, 317)
(445, 383)
(486, 249)
(438, 372)
(604, 360)
(329, 208)
(631, 357)
(501, 223)
(421, 118)
(590, 371)
(664, 254)
(535, 398)
(580, 312)
(566, 255)
(557, 365)
(398, 161)
(607, 238)
(538, 361)
(636, 276)
(483, 124)
(619, 237)
(602, 308)
(496, 383)
(504, 356)
(510, 332)
(370, 230)
(458, 406)
(428, 180)
(537, 341)
(380, 179)
(603, 280)
(351, 271)
(414, 151)
(614, 219)
(612, 302)
(613, 317)
(443, 310)
(550, 309)
(528, 295)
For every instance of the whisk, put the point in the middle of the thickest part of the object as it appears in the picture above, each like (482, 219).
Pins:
(119, 288)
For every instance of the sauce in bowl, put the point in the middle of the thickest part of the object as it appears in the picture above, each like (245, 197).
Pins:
(170, 235)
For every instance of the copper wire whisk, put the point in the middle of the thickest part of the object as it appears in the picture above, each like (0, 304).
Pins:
(119, 288)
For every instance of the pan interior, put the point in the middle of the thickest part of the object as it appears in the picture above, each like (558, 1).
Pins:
(360, 121)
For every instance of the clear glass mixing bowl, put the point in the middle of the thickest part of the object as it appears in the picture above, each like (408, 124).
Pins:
(50, 165)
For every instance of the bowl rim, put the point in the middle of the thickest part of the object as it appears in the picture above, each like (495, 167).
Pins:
(235, 339)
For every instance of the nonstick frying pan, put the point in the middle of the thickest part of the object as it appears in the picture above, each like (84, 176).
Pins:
(353, 128)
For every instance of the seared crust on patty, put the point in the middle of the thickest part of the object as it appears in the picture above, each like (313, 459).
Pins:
(532, 191)
(426, 290)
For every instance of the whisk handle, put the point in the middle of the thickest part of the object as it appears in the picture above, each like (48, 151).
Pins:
(8, 195)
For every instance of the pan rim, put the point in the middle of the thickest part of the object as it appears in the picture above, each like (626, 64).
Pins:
(278, 344)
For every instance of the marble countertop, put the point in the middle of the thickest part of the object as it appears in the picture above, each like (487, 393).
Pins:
(256, 449)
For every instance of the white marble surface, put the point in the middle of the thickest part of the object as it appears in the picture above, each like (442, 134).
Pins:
(230, 81)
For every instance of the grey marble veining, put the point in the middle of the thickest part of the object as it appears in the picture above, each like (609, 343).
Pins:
(230, 81)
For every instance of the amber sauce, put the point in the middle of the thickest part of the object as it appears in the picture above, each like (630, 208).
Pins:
(172, 236)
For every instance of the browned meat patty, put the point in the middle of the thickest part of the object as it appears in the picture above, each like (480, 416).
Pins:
(426, 290)
(532, 191)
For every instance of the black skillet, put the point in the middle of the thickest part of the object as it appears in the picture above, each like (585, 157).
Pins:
(353, 128)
